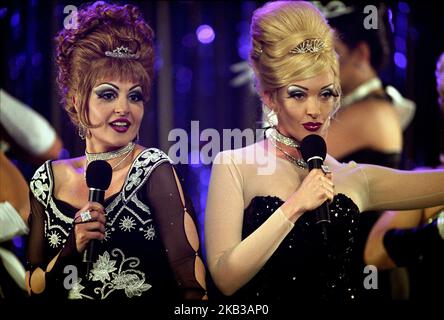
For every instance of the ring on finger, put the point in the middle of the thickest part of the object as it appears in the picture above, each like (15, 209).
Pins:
(325, 169)
(85, 216)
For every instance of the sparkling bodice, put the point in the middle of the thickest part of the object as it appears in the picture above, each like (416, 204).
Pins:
(302, 266)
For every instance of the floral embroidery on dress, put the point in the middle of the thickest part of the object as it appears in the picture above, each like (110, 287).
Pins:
(75, 292)
(116, 275)
(146, 162)
(134, 179)
(149, 233)
(103, 267)
(127, 223)
(54, 239)
(107, 235)
(38, 186)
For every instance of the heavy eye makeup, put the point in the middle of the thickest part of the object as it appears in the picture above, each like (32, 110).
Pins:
(299, 93)
(296, 93)
(328, 93)
(106, 92)
(109, 92)
(136, 95)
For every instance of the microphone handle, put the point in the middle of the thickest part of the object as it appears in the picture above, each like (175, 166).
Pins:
(95, 195)
(323, 219)
(322, 212)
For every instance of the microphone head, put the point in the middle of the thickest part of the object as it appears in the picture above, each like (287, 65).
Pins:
(98, 175)
(313, 146)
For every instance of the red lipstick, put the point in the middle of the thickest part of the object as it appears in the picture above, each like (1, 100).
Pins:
(120, 125)
(312, 126)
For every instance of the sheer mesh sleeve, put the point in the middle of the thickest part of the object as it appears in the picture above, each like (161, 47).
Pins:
(232, 260)
(390, 189)
(45, 275)
(175, 218)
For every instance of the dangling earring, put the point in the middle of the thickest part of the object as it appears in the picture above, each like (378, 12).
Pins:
(82, 131)
(136, 140)
(270, 116)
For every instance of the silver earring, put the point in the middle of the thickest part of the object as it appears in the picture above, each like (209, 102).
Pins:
(82, 131)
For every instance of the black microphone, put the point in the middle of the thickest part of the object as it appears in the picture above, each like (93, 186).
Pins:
(314, 150)
(98, 179)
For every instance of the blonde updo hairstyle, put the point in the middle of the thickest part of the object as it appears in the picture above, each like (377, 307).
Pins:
(276, 29)
(81, 59)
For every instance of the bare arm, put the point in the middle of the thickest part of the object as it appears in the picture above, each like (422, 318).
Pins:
(29, 133)
(375, 252)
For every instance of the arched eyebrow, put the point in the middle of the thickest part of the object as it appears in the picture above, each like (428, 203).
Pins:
(117, 88)
(306, 89)
(110, 84)
(134, 87)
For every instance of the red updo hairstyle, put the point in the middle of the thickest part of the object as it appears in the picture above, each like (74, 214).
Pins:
(81, 59)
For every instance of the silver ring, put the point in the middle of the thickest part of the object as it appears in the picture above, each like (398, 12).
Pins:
(325, 169)
(85, 216)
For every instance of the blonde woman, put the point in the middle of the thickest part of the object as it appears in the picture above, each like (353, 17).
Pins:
(261, 235)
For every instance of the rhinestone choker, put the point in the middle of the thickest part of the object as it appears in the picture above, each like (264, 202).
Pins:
(279, 137)
(276, 136)
(111, 154)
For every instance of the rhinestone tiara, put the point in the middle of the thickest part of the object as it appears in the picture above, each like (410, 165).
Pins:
(308, 45)
(122, 53)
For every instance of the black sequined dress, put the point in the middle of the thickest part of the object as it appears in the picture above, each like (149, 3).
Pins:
(303, 267)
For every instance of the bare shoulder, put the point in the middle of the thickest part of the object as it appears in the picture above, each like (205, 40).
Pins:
(64, 166)
(67, 170)
(366, 111)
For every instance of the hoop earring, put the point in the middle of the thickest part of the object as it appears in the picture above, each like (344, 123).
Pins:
(82, 131)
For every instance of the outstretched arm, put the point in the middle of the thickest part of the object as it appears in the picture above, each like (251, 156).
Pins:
(32, 136)
(389, 189)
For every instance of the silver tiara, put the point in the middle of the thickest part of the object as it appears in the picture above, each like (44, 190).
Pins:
(122, 52)
(308, 45)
